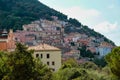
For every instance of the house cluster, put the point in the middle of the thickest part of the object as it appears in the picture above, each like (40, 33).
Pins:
(42, 35)
(49, 32)
(95, 45)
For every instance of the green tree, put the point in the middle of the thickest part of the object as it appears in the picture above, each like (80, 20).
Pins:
(22, 66)
(21, 63)
(41, 71)
(113, 60)
(100, 62)
(89, 65)
(3, 66)
(85, 53)
(72, 43)
(82, 51)
(74, 22)
(89, 54)
(69, 63)
(72, 71)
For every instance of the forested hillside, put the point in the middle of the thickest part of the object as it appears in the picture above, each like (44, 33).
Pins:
(15, 13)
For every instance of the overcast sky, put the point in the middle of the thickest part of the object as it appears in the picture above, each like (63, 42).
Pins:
(101, 15)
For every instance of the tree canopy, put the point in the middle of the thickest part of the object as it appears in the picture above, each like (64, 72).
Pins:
(113, 60)
(15, 13)
(21, 65)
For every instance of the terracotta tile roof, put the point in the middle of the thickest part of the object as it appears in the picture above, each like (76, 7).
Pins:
(105, 44)
(43, 47)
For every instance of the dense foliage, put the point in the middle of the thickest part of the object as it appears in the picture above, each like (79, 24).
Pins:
(15, 13)
(21, 65)
(74, 22)
(113, 60)
(71, 70)
(100, 61)
(85, 52)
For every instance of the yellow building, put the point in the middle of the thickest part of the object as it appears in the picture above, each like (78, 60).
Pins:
(48, 54)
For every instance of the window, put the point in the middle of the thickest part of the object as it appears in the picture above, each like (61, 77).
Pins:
(47, 63)
(37, 55)
(41, 55)
(53, 69)
(48, 56)
(53, 63)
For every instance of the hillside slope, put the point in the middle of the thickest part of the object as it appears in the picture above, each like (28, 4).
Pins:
(15, 13)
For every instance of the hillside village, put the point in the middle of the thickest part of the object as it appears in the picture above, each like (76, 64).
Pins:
(39, 43)
(52, 33)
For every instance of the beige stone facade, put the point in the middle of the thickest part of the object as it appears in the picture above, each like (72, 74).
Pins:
(49, 55)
